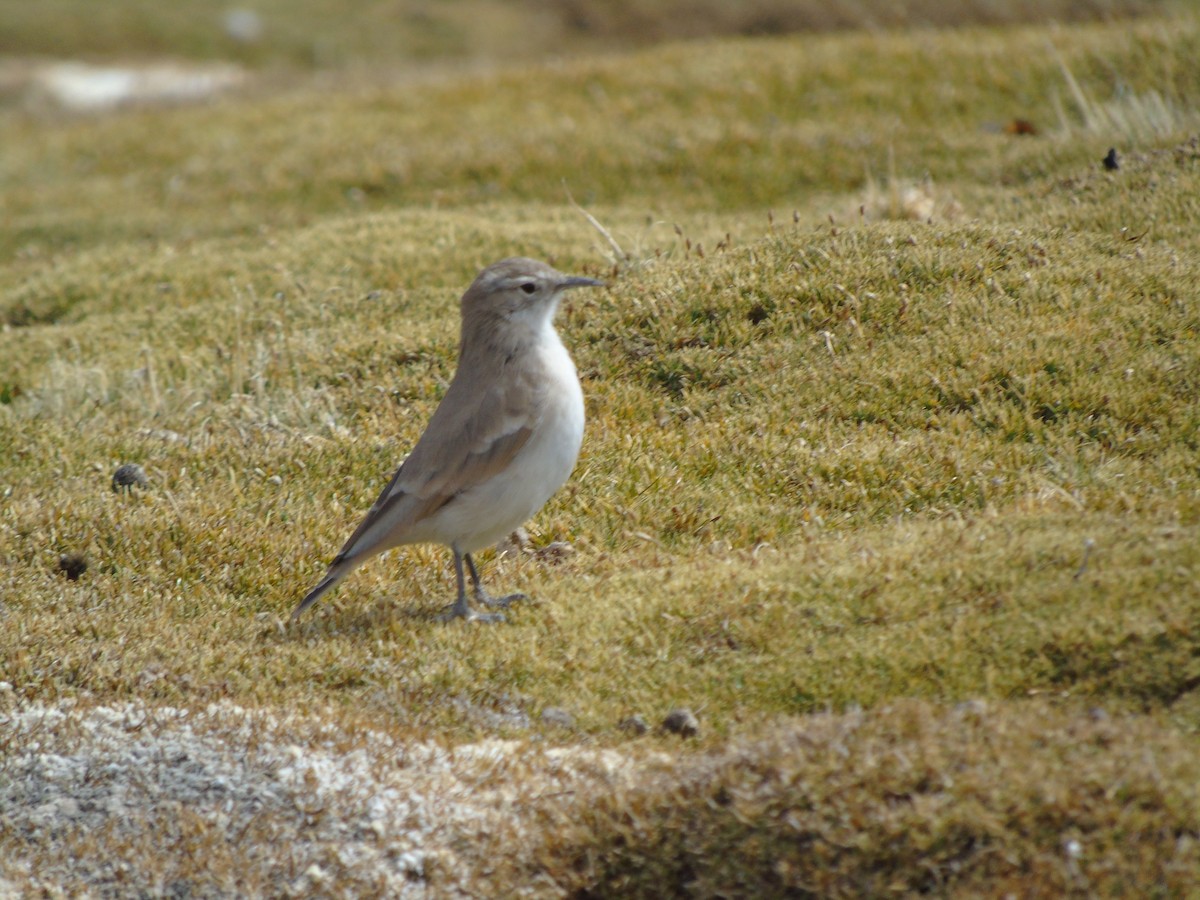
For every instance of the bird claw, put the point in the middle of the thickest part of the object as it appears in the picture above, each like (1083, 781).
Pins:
(464, 612)
(503, 602)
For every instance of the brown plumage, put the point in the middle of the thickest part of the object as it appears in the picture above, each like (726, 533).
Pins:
(502, 441)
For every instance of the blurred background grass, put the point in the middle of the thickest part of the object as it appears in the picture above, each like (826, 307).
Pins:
(372, 33)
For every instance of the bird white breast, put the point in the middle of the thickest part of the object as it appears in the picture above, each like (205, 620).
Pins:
(496, 508)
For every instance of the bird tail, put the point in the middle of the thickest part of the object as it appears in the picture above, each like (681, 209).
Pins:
(338, 570)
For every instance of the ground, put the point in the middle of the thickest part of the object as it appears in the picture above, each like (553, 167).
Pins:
(889, 475)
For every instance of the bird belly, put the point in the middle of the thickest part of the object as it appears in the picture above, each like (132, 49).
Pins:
(489, 512)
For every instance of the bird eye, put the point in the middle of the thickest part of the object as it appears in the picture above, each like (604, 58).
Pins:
(529, 287)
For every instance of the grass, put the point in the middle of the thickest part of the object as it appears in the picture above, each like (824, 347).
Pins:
(904, 507)
(306, 34)
(1037, 804)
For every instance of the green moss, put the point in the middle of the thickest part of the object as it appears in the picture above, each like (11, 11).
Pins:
(916, 439)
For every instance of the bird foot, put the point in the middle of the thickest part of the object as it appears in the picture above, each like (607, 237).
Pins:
(503, 602)
(464, 612)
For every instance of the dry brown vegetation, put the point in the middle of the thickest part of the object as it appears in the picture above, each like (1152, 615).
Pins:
(628, 20)
(890, 476)
(1035, 803)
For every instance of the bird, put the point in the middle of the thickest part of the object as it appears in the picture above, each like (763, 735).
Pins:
(503, 439)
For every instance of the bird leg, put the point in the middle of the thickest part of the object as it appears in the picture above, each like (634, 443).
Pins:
(461, 609)
(483, 596)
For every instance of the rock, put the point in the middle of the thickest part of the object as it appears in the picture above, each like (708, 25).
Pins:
(634, 724)
(243, 25)
(974, 709)
(83, 87)
(73, 565)
(554, 552)
(129, 476)
(682, 722)
(560, 718)
(514, 543)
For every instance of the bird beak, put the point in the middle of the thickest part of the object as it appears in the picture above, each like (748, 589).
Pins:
(575, 281)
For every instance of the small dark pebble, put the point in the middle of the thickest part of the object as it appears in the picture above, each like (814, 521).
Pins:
(129, 476)
(683, 722)
(634, 725)
(1111, 162)
(758, 314)
(1020, 127)
(554, 552)
(553, 715)
(72, 565)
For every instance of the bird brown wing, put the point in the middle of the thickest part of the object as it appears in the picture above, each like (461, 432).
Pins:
(465, 444)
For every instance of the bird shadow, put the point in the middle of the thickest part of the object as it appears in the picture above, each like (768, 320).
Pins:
(353, 620)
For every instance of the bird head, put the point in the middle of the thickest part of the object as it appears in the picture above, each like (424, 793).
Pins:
(519, 288)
